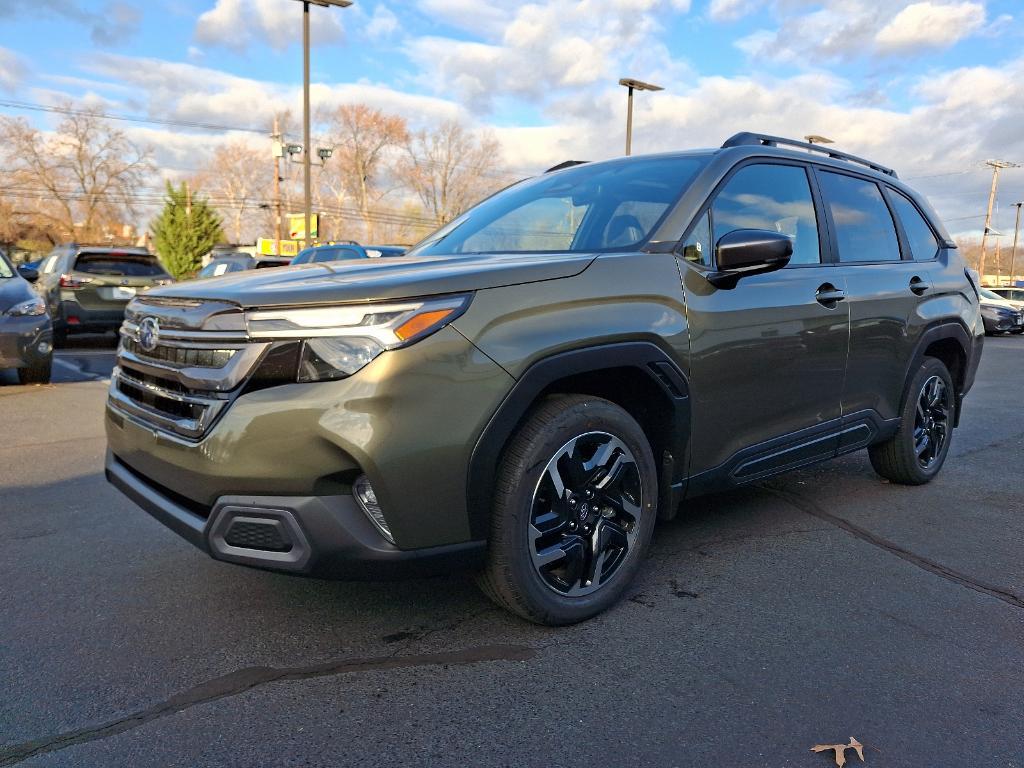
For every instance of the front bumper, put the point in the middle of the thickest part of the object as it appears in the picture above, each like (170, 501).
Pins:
(1003, 322)
(321, 536)
(25, 341)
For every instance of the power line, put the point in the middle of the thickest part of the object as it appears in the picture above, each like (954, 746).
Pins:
(125, 118)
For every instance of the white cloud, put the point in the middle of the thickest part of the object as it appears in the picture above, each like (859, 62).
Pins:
(731, 10)
(114, 23)
(554, 46)
(382, 25)
(239, 24)
(179, 91)
(12, 70)
(813, 33)
(931, 25)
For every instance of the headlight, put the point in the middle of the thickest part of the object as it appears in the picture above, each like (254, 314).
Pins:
(340, 340)
(34, 306)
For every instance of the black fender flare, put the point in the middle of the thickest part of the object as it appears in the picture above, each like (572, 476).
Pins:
(948, 329)
(644, 356)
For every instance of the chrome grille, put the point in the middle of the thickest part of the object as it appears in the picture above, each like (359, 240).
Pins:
(180, 357)
(183, 382)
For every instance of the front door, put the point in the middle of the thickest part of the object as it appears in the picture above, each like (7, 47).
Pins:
(767, 358)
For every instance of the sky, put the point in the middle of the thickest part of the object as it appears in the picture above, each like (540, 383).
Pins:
(933, 88)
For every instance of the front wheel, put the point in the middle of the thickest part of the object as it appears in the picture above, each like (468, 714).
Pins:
(575, 505)
(916, 453)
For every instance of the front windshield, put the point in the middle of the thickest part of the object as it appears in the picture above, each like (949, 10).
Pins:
(589, 208)
(991, 295)
(5, 266)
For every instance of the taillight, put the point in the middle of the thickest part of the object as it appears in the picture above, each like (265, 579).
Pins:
(73, 283)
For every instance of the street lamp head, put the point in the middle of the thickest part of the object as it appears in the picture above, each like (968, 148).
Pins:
(816, 139)
(329, 3)
(325, 152)
(639, 85)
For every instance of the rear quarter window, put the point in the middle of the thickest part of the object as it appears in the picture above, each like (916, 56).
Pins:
(124, 265)
(923, 244)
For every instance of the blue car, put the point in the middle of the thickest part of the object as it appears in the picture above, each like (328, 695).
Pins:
(321, 253)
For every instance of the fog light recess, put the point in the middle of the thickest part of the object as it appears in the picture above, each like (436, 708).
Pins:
(367, 501)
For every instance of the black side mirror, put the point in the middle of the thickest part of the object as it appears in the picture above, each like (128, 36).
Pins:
(29, 273)
(745, 252)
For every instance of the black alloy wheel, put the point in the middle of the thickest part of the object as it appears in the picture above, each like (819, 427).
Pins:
(586, 513)
(932, 421)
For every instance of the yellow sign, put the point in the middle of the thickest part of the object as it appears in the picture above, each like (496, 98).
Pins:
(266, 246)
(297, 225)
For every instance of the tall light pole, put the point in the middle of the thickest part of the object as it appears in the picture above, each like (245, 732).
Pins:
(995, 165)
(306, 162)
(632, 85)
(1013, 251)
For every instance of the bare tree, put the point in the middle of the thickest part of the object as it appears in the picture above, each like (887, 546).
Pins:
(365, 141)
(81, 181)
(450, 168)
(238, 180)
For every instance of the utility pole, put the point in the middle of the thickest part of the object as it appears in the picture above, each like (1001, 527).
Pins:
(1013, 251)
(306, 160)
(996, 165)
(278, 142)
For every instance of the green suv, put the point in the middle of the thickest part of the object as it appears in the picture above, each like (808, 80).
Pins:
(537, 382)
(86, 288)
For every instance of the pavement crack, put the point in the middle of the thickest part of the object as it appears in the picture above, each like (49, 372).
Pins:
(811, 508)
(245, 679)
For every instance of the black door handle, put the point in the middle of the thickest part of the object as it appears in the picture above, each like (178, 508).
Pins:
(828, 295)
(918, 286)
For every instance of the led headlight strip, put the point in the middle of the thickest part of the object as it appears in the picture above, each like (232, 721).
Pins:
(341, 339)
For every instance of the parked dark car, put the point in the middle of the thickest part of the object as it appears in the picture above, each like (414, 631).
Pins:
(319, 254)
(1000, 315)
(239, 262)
(26, 333)
(1013, 295)
(536, 383)
(86, 288)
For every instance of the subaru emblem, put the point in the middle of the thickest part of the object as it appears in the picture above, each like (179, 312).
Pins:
(149, 334)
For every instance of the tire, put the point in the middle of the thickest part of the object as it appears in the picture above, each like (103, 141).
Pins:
(901, 458)
(1016, 331)
(38, 373)
(541, 542)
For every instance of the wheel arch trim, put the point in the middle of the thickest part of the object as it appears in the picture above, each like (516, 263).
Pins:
(644, 356)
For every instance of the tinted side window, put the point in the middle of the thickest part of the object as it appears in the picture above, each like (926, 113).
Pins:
(773, 197)
(864, 226)
(923, 244)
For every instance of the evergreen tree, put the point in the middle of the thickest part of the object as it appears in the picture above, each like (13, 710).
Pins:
(185, 231)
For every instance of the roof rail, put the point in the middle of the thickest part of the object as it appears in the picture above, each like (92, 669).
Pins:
(566, 164)
(747, 139)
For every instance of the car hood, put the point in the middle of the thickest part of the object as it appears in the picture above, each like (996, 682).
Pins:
(377, 279)
(13, 290)
(1003, 304)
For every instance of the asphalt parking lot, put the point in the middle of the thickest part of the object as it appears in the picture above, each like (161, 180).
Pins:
(814, 607)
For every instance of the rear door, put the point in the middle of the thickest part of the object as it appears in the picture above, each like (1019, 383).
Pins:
(109, 280)
(767, 357)
(886, 288)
